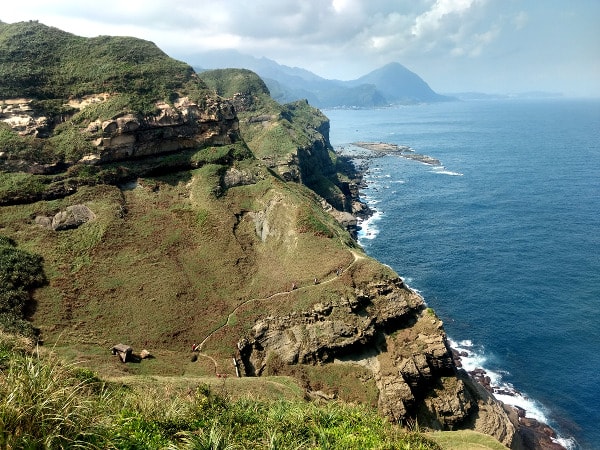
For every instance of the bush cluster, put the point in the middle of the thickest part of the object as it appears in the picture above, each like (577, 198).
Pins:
(20, 272)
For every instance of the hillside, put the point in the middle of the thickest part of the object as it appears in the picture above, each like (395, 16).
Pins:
(204, 222)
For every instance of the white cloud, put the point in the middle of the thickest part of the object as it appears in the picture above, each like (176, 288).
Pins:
(520, 20)
(341, 38)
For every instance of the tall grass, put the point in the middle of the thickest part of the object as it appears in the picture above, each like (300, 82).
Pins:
(47, 404)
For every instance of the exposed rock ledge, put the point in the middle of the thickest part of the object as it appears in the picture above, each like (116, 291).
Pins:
(404, 151)
(181, 126)
(384, 327)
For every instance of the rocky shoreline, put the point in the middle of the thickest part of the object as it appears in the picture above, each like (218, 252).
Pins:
(534, 434)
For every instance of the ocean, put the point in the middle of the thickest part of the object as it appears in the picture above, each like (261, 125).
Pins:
(502, 239)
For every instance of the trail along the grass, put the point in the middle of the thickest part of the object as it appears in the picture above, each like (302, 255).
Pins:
(356, 257)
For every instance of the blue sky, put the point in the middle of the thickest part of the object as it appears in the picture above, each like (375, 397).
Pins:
(493, 46)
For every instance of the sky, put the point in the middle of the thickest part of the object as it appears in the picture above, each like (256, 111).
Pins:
(490, 46)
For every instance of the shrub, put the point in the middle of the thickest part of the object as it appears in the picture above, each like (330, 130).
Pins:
(20, 272)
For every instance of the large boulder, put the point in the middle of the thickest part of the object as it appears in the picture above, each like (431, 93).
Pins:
(73, 217)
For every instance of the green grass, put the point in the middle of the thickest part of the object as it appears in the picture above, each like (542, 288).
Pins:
(47, 404)
(465, 440)
(20, 185)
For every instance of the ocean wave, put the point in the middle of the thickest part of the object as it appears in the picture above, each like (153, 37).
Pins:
(442, 170)
(369, 200)
(568, 443)
(368, 229)
(473, 359)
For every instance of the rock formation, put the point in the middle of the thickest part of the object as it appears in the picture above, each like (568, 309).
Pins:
(384, 327)
(181, 126)
(72, 217)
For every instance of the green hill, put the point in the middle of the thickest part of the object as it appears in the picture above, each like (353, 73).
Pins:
(197, 219)
(47, 63)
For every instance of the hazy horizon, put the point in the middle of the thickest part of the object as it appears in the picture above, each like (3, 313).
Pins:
(488, 46)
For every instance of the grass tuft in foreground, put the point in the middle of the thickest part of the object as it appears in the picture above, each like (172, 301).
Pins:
(47, 404)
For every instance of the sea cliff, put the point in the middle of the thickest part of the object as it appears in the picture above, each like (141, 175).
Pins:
(202, 214)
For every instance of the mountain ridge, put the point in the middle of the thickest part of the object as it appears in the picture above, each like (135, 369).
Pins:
(391, 84)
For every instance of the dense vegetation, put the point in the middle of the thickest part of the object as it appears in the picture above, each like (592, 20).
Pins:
(228, 82)
(47, 63)
(46, 404)
(20, 272)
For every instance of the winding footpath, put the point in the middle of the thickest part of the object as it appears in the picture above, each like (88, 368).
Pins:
(356, 257)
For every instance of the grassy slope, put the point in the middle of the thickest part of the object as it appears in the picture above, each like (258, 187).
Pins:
(172, 269)
(47, 63)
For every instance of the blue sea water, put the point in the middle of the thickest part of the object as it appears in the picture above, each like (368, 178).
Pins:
(503, 240)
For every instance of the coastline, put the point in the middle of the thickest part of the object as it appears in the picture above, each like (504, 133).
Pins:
(534, 434)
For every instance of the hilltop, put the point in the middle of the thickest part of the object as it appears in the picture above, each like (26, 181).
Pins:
(195, 217)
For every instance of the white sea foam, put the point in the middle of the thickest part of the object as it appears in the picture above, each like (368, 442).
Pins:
(473, 358)
(368, 227)
(568, 443)
(442, 170)
(370, 200)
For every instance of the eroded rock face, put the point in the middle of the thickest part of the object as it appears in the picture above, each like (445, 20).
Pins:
(18, 114)
(185, 125)
(403, 344)
(181, 126)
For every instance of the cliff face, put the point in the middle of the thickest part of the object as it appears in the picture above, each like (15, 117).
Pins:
(184, 125)
(300, 151)
(384, 327)
(181, 126)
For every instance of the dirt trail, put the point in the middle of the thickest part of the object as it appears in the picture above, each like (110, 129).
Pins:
(356, 257)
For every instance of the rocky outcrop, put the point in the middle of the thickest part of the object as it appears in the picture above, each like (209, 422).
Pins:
(384, 327)
(20, 116)
(329, 330)
(490, 416)
(181, 126)
(73, 217)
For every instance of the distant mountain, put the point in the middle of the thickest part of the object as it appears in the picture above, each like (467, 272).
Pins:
(391, 84)
(399, 85)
